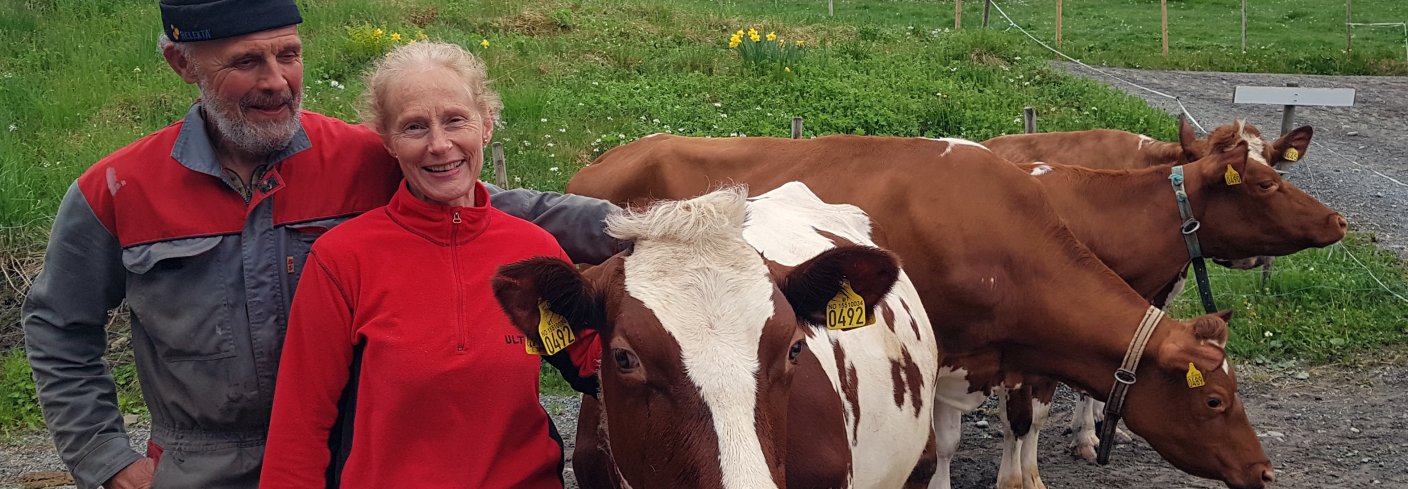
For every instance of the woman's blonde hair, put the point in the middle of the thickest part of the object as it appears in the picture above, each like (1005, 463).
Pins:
(409, 57)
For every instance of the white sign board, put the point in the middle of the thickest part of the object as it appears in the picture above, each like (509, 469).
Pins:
(1338, 97)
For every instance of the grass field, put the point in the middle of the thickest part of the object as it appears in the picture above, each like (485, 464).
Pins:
(81, 78)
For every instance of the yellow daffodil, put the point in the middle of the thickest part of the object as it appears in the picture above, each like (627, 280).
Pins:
(412, 41)
(395, 37)
(753, 35)
(733, 42)
(739, 33)
(376, 34)
(800, 43)
(484, 43)
(421, 35)
(772, 36)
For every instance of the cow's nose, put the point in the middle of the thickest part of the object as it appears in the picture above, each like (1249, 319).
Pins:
(1339, 222)
(1268, 476)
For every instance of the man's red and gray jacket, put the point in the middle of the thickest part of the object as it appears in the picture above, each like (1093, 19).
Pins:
(208, 272)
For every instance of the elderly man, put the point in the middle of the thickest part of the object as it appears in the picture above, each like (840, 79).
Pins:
(203, 228)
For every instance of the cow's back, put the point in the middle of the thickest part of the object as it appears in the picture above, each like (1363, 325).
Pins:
(1096, 148)
(962, 219)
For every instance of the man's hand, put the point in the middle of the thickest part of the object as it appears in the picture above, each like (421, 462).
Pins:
(138, 475)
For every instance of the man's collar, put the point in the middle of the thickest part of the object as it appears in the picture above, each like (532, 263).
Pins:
(195, 151)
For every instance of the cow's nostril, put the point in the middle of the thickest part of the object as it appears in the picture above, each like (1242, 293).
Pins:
(1339, 221)
(1268, 476)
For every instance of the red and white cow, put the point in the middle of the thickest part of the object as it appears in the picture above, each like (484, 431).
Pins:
(1130, 220)
(701, 388)
(1113, 149)
(1010, 290)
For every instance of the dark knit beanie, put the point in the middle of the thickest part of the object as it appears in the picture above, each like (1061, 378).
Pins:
(204, 20)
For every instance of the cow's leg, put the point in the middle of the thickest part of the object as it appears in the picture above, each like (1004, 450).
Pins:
(948, 431)
(1014, 408)
(1121, 436)
(589, 461)
(1042, 393)
(923, 474)
(1083, 444)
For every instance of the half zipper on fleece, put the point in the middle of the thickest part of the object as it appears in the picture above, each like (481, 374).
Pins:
(455, 222)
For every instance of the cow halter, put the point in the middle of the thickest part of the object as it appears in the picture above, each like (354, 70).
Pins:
(1189, 228)
(1124, 377)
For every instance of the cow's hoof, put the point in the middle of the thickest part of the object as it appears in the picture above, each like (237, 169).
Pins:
(1084, 452)
(1034, 482)
(1122, 436)
(1012, 483)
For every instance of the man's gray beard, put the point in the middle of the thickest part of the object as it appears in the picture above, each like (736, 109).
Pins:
(245, 136)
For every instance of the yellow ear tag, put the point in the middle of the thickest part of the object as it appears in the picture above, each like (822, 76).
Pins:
(1291, 154)
(1195, 378)
(553, 329)
(532, 346)
(846, 310)
(1232, 177)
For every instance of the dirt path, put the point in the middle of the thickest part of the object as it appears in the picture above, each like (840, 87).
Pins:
(1364, 172)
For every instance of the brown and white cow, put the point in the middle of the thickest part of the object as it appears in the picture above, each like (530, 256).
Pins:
(1114, 149)
(705, 371)
(1010, 290)
(1130, 220)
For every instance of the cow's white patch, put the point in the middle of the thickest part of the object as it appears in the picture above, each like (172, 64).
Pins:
(1255, 145)
(1143, 141)
(712, 293)
(1040, 169)
(955, 142)
(113, 183)
(886, 440)
(651, 135)
(1224, 367)
(1173, 293)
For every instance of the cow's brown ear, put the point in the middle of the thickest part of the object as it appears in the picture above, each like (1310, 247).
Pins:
(1291, 147)
(871, 273)
(1203, 343)
(519, 287)
(1188, 140)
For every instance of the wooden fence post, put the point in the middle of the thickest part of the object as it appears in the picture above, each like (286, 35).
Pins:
(500, 172)
(957, 14)
(987, 5)
(1244, 25)
(1058, 23)
(1348, 29)
(796, 128)
(1029, 115)
(1163, 6)
(830, 8)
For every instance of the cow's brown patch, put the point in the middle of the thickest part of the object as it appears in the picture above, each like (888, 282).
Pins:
(850, 382)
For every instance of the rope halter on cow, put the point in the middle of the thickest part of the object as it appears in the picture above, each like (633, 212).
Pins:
(1124, 378)
(1189, 228)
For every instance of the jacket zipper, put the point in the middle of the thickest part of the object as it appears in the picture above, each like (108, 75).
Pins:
(459, 294)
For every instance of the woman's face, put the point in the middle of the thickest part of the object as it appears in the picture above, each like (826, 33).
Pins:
(434, 128)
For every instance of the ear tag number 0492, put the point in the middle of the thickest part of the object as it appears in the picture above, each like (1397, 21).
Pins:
(554, 331)
(846, 310)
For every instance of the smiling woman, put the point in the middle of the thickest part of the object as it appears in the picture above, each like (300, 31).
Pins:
(442, 386)
(432, 105)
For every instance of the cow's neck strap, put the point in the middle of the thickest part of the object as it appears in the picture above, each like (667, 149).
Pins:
(1189, 228)
(1124, 378)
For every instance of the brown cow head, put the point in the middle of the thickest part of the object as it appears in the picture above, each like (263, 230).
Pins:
(1263, 214)
(1201, 429)
(1280, 154)
(699, 338)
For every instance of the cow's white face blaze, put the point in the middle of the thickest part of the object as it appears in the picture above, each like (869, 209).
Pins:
(712, 294)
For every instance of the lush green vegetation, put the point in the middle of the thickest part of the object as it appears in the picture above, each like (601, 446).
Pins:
(81, 78)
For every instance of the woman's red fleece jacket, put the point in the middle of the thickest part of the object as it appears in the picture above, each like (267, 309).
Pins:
(447, 396)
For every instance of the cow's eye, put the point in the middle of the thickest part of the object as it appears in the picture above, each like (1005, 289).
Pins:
(1267, 186)
(625, 359)
(1214, 403)
(795, 352)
